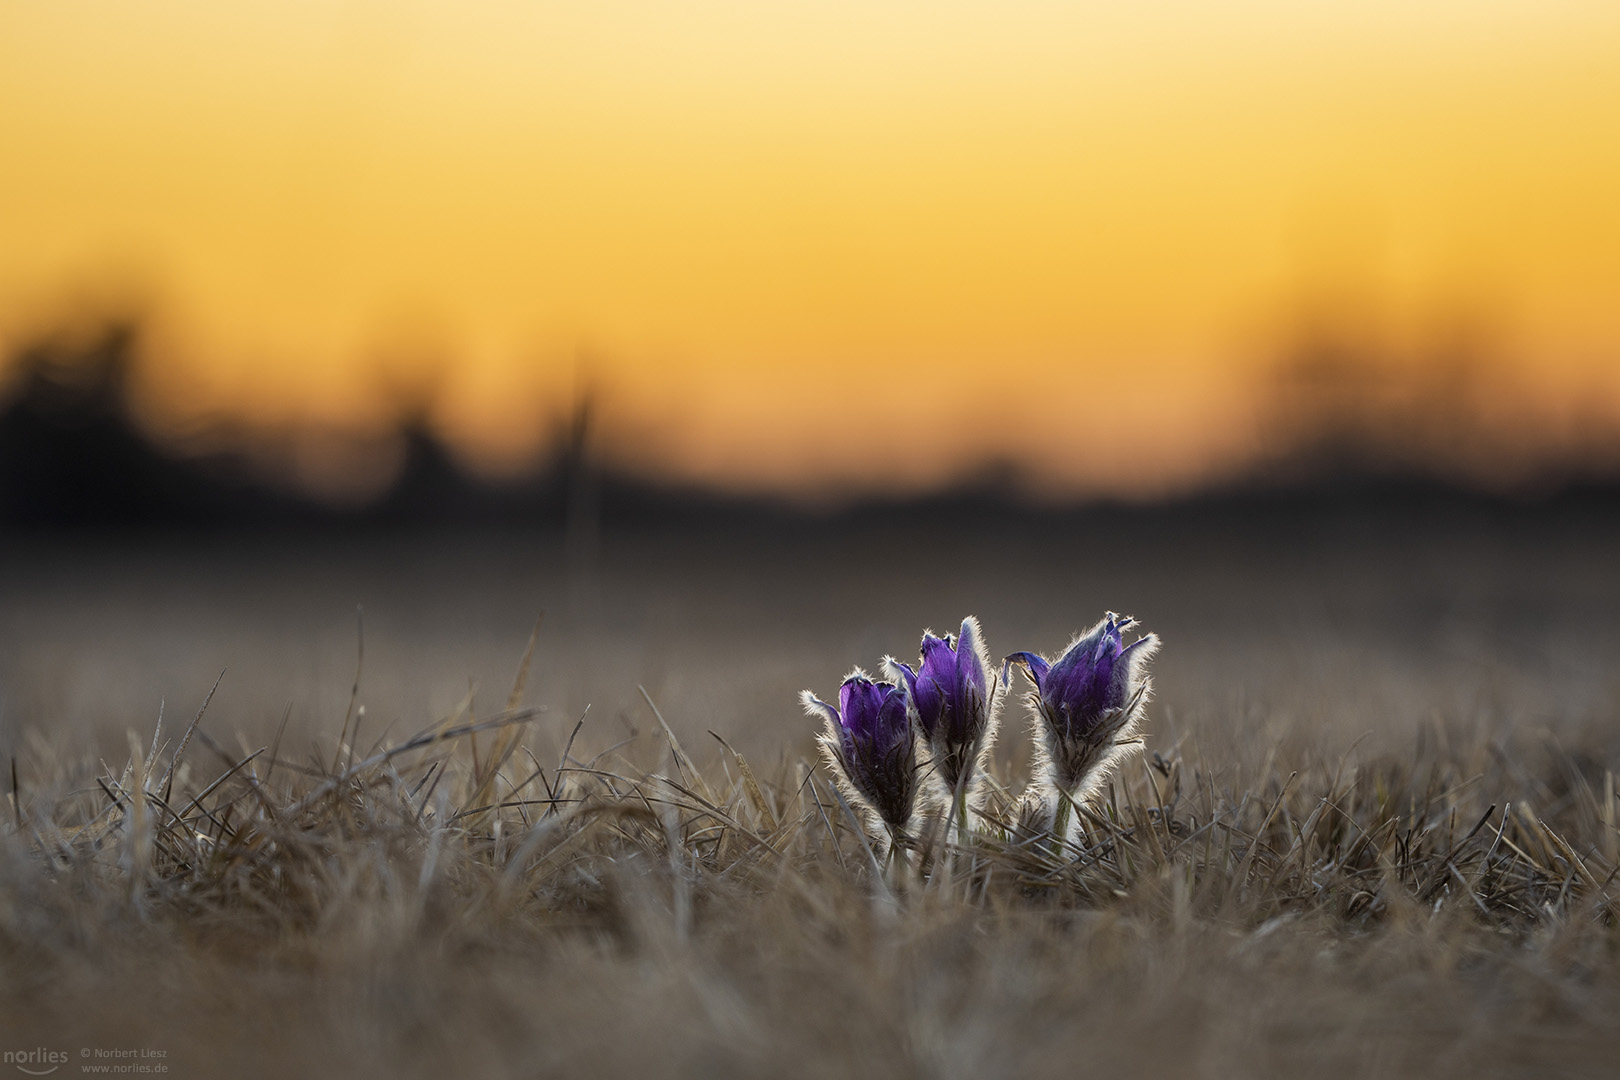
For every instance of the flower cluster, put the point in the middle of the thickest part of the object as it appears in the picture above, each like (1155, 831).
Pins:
(926, 731)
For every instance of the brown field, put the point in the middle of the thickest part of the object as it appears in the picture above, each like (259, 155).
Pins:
(1373, 832)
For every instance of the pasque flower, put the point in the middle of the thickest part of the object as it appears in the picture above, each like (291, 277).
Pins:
(871, 739)
(954, 694)
(1087, 703)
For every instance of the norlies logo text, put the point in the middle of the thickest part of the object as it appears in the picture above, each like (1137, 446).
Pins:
(38, 1061)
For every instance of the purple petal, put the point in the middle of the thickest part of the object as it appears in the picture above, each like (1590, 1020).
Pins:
(859, 701)
(938, 659)
(1035, 667)
(1085, 662)
(936, 678)
(905, 671)
(1124, 673)
(894, 721)
(970, 665)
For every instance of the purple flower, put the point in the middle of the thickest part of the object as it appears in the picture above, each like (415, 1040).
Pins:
(872, 738)
(1088, 701)
(954, 694)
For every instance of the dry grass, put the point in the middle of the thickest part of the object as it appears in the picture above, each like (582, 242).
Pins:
(458, 903)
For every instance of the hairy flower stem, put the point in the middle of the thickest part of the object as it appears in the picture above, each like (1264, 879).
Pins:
(961, 813)
(1061, 817)
(898, 865)
(956, 827)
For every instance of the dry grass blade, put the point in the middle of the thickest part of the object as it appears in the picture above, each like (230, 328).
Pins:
(683, 761)
(756, 797)
(507, 739)
(167, 783)
(354, 693)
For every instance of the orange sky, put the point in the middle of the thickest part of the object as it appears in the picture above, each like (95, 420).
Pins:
(804, 245)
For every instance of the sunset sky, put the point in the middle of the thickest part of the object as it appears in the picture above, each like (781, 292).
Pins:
(802, 246)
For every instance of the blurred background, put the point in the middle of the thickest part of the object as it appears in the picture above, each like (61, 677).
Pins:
(741, 341)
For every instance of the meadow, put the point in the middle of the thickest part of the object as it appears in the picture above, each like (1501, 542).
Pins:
(1371, 832)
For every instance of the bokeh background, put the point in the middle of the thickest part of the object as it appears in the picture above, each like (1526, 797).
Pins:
(814, 249)
(742, 341)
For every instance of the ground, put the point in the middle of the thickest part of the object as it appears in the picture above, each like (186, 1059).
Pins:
(1372, 831)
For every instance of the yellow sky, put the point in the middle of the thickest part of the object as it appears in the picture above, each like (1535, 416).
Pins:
(796, 244)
